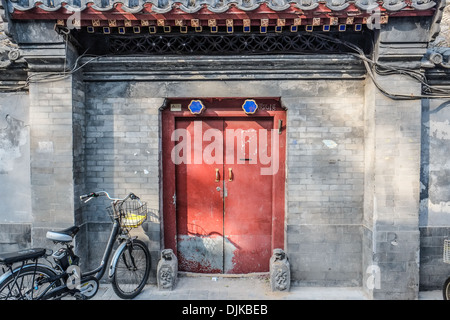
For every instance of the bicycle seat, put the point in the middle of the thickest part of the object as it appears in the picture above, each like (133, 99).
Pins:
(65, 235)
(26, 254)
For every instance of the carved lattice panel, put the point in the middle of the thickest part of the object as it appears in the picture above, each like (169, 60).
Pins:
(221, 44)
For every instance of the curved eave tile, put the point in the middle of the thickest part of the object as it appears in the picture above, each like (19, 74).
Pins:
(424, 5)
(394, 7)
(216, 6)
(337, 5)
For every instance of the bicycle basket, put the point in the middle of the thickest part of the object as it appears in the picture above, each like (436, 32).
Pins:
(447, 251)
(131, 213)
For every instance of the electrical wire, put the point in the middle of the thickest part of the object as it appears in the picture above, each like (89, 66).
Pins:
(55, 76)
(372, 67)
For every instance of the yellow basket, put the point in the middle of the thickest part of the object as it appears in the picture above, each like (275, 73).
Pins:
(131, 220)
(131, 213)
(446, 251)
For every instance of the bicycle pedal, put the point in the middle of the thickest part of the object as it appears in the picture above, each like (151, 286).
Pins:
(79, 296)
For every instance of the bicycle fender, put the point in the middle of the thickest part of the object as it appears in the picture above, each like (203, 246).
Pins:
(115, 258)
(8, 273)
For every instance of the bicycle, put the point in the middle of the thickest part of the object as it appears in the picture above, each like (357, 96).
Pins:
(27, 277)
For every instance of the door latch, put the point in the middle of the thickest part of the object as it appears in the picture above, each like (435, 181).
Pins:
(217, 175)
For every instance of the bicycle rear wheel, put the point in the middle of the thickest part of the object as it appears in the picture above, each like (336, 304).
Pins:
(446, 289)
(27, 283)
(132, 270)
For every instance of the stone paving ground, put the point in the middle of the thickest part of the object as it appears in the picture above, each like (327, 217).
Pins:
(244, 288)
(249, 298)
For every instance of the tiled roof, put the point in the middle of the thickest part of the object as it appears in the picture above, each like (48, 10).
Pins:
(218, 13)
(217, 6)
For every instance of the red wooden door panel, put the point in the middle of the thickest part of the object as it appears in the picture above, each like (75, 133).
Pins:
(224, 198)
(248, 201)
(199, 198)
(232, 229)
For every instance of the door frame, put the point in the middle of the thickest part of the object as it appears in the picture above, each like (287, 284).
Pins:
(220, 108)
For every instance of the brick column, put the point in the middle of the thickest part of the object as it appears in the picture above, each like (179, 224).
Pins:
(393, 191)
(52, 168)
(392, 161)
(56, 112)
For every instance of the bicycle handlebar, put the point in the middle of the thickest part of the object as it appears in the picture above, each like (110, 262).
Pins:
(87, 197)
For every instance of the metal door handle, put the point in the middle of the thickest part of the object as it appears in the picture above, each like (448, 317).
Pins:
(217, 175)
(230, 174)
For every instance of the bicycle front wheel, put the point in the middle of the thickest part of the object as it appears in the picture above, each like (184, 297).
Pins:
(132, 270)
(27, 283)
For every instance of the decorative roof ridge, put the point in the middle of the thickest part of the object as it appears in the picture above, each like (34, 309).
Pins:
(9, 51)
(436, 57)
(216, 6)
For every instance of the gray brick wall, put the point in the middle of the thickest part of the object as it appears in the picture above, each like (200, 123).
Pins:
(325, 183)
(325, 255)
(352, 169)
(435, 190)
(14, 236)
(433, 270)
(15, 192)
(79, 166)
(122, 155)
(353, 158)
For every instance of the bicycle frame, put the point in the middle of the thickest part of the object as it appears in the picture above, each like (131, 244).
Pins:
(98, 273)
(100, 270)
(114, 235)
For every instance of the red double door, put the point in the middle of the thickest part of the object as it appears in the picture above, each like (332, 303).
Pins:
(224, 203)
